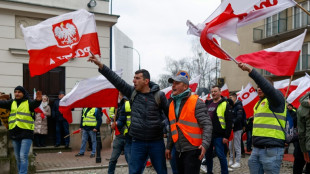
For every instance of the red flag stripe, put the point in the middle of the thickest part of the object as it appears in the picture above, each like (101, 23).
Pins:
(40, 60)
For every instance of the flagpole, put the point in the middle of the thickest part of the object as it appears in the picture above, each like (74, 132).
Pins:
(288, 88)
(303, 9)
(230, 57)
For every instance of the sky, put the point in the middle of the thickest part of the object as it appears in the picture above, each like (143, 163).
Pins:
(158, 28)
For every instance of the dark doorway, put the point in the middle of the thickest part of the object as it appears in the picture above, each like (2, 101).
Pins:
(50, 84)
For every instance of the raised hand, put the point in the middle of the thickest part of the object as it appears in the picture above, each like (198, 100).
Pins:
(95, 60)
(245, 67)
(39, 96)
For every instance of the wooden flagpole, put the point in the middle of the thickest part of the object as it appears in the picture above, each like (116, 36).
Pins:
(230, 57)
(303, 9)
(288, 88)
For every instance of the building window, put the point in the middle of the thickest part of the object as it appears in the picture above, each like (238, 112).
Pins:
(305, 56)
(276, 23)
(301, 18)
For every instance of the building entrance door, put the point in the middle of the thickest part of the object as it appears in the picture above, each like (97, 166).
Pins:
(50, 84)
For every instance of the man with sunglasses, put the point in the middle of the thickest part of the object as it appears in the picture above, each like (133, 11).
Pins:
(268, 126)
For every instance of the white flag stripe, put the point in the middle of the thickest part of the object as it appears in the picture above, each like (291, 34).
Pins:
(239, 6)
(288, 46)
(257, 15)
(224, 87)
(247, 96)
(303, 86)
(84, 89)
(284, 83)
(45, 29)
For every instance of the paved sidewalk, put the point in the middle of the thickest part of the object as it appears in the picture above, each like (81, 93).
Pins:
(60, 160)
(67, 163)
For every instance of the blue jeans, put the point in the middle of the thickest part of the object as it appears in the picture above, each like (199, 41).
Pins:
(249, 140)
(173, 162)
(85, 135)
(65, 126)
(218, 145)
(118, 147)
(266, 160)
(127, 148)
(140, 150)
(21, 151)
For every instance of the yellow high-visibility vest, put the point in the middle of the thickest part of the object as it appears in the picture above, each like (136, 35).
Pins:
(21, 116)
(265, 124)
(220, 111)
(89, 119)
(128, 116)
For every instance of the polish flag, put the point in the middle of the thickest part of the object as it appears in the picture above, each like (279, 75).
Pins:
(89, 93)
(230, 15)
(249, 98)
(225, 91)
(282, 85)
(40, 108)
(300, 91)
(56, 40)
(279, 60)
(192, 84)
(206, 97)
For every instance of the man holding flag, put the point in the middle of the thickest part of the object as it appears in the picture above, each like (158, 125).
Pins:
(146, 127)
(268, 126)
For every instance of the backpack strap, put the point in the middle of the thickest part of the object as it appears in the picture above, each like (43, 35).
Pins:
(132, 97)
(156, 96)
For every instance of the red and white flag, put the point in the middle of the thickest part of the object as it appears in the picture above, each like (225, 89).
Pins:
(282, 85)
(192, 84)
(206, 97)
(230, 15)
(249, 98)
(88, 93)
(301, 90)
(225, 91)
(279, 60)
(56, 40)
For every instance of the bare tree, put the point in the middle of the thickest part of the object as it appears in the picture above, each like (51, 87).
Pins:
(204, 64)
(201, 63)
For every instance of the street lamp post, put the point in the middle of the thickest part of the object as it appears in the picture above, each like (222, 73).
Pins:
(125, 46)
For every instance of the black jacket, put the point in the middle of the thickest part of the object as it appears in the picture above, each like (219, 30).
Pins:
(55, 111)
(276, 104)
(146, 119)
(217, 128)
(238, 116)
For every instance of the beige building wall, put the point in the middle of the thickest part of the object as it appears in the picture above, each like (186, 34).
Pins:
(13, 52)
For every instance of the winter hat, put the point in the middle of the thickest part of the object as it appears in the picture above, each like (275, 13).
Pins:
(23, 90)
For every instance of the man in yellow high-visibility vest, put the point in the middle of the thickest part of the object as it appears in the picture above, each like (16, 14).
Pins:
(90, 124)
(268, 126)
(21, 124)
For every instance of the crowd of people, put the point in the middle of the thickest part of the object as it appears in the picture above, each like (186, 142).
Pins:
(196, 131)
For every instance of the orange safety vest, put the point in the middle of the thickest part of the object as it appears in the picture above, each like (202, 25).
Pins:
(187, 122)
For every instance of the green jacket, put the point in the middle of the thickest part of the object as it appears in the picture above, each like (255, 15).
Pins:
(303, 119)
